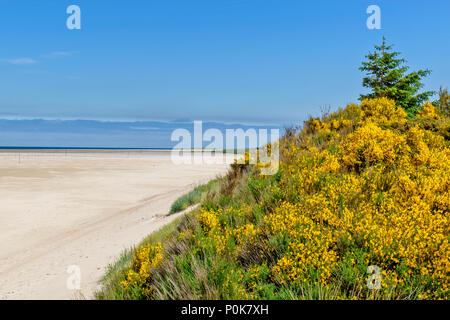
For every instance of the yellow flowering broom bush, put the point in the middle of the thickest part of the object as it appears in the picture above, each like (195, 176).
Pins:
(137, 280)
(359, 190)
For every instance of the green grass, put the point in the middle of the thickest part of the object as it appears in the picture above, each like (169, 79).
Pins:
(111, 289)
(200, 264)
(195, 196)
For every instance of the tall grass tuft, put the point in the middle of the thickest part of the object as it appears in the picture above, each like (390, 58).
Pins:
(193, 197)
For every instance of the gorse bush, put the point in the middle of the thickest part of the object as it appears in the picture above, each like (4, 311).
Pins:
(137, 281)
(360, 187)
(382, 111)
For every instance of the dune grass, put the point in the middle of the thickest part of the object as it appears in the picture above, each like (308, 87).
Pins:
(111, 287)
(193, 197)
(358, 210)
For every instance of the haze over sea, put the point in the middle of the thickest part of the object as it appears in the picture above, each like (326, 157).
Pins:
(102, 134)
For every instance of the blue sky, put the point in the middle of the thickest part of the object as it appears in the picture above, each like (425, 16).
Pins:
(252, 61)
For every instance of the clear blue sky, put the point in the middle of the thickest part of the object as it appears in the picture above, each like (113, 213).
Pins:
(227, 60)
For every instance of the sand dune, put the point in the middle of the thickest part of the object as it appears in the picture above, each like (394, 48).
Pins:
(83, 208)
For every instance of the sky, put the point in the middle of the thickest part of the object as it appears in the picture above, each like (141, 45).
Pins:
(253, 61)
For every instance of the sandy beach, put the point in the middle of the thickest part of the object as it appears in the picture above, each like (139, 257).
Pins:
(60, 209)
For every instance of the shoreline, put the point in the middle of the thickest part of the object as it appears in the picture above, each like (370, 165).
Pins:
(75, 150)
(99, 150)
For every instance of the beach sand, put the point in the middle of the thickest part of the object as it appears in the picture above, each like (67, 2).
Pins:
(59, 209)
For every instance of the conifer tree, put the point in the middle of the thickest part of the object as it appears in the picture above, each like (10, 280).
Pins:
(386, 76)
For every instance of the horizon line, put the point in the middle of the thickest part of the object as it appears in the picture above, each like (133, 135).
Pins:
(175, 121)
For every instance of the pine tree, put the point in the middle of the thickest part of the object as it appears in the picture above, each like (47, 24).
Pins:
(386, 76)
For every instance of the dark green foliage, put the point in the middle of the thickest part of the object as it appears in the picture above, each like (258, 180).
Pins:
(386, 76)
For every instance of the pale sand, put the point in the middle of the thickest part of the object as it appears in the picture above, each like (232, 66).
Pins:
(83, 209)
